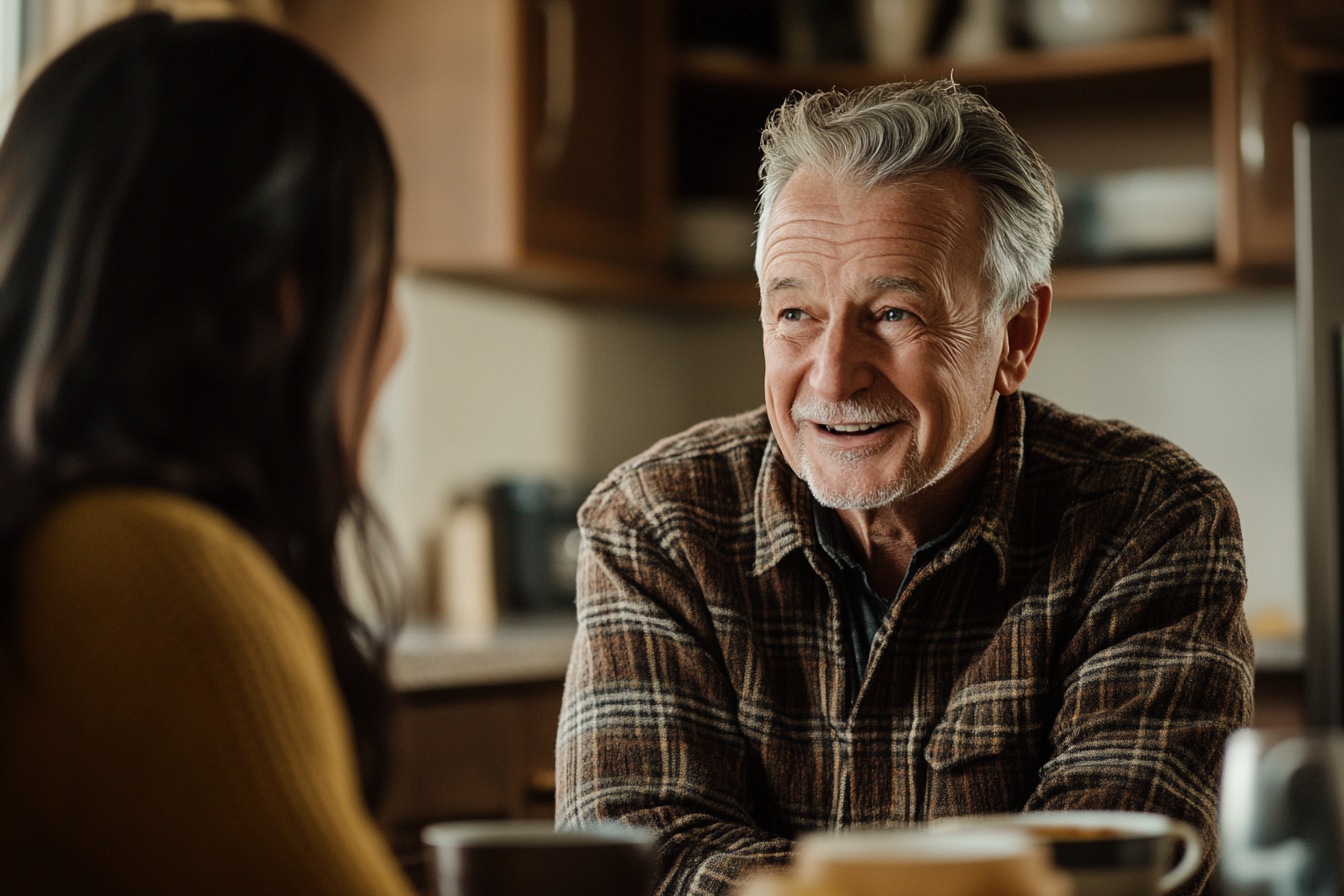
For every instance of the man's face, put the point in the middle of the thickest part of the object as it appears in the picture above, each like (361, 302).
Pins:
(879, 363)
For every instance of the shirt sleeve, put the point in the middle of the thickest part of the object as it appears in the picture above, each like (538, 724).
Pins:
(195, 737)
(1158, 674)
(649, 733)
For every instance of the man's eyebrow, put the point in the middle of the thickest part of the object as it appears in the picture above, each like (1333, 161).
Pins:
(905, 284)
(783, 283)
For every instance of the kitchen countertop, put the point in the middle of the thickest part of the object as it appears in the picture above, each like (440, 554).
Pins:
(1279, 654)
(430, 657)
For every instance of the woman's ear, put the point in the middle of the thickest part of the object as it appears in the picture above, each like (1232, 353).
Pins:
(1021, 338)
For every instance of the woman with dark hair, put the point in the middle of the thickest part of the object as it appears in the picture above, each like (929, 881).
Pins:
(196, 244)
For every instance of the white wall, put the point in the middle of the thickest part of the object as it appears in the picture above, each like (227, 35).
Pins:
(495, 384)
(1217, 377)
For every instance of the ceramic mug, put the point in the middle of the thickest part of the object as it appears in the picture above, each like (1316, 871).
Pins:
(531, 858)
(920, 861)
(1107, 853)
(1281, 813)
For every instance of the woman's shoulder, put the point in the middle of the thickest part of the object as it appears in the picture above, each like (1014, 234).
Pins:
(151, 564)
(129, 517)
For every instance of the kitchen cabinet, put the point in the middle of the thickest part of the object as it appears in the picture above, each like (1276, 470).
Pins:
(1279, 700)
(473, 727)
(1276, 63)
(530, 134)
(469, 753)
(1226, 100)
(556, 144)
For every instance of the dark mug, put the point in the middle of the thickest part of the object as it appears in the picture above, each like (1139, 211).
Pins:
(531, 858)
(1108, 853)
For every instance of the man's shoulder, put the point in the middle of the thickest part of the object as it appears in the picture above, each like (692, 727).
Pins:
(712, 466)
(1107, 455)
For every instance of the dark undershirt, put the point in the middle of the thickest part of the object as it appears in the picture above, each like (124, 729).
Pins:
(863, 610)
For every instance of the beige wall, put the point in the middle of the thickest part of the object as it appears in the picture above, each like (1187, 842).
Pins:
(1217, 377)
(495, 384)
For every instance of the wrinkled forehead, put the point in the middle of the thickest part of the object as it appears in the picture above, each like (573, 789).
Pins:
(943, 203)
(918, 235)
(960, 190)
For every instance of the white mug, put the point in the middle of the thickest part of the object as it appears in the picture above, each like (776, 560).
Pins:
(919, 862)
(1281, 813)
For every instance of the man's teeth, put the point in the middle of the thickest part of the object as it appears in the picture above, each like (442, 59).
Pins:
(850, 427)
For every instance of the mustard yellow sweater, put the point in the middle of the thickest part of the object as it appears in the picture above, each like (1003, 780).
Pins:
(171, 723)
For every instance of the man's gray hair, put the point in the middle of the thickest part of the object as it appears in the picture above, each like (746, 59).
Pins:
(880, 135)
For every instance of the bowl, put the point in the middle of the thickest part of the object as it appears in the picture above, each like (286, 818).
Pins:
(1058, 24)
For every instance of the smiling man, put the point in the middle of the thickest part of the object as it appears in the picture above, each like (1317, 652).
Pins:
(903, 590)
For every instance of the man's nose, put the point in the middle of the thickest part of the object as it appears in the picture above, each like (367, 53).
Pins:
(841, 366)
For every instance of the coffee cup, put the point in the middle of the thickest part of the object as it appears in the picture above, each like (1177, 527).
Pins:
(919, 861)
(767, 884)
(531, 858)
(1106, 853)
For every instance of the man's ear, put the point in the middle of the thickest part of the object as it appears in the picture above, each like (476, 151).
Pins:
(1021, 337)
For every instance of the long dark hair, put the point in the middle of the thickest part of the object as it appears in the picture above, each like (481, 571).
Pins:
(161, 184)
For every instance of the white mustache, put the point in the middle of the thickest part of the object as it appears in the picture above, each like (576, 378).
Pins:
(866, 410)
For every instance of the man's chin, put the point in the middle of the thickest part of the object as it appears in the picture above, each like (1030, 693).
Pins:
(863, 478)
(858, 489)
(852, 497)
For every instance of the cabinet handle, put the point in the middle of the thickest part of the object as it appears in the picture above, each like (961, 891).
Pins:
(558, 102)
(541, 785)
(1252, 136)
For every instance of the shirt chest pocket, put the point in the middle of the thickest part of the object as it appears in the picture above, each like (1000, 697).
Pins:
(985, 753)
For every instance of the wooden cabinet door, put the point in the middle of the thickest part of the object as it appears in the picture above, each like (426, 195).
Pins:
(1270, 59)
(470, 753)
(596, 158)
(527, 133)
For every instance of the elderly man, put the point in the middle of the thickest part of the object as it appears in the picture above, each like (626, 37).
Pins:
(903, 590)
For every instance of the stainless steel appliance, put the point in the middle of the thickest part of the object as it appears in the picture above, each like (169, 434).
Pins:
(1319, 205)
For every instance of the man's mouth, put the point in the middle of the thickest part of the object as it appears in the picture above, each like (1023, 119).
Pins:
(852, 428)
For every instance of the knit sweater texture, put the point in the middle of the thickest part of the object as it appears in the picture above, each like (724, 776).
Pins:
(169, 718)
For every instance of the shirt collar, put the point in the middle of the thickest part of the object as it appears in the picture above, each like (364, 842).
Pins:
(784, 507)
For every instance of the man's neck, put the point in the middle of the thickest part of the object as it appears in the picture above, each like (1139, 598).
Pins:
(886, 538)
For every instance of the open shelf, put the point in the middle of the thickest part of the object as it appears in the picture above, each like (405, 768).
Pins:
(1079, 283)
(1152, 54)
(1159, 83)
(1152, 280)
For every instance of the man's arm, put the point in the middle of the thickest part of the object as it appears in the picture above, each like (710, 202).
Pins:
(1158, 674)
(649, 732)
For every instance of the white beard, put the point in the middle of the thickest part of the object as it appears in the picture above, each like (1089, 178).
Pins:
(914, 475)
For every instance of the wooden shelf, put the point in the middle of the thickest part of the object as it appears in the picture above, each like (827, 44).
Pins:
(1157, 280)
(1140, 281)
(1315, 59)
(1152, 54)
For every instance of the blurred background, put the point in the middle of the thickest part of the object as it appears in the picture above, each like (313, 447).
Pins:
(578, 193)
(579, 186)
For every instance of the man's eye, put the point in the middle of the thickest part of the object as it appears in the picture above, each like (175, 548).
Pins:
(792, 314)
(895, 314)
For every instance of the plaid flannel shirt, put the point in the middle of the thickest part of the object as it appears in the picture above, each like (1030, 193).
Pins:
(1080, 645)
